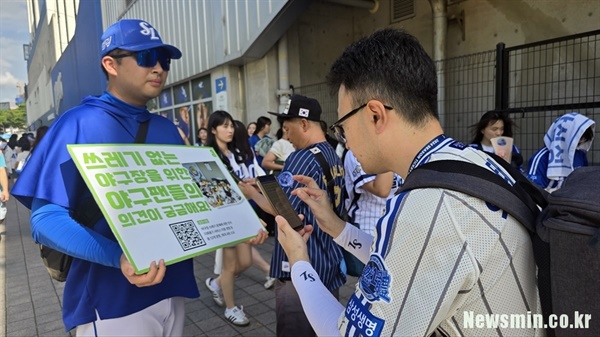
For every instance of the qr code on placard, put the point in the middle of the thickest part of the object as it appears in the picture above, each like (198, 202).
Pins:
(187, 234)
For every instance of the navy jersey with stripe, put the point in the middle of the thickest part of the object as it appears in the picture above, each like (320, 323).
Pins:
(325, 255)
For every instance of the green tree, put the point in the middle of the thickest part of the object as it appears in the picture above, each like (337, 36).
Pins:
(14, 118)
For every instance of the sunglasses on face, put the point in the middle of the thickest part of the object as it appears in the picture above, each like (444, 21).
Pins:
(149, 57)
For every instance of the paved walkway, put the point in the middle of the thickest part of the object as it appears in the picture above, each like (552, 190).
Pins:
(31, 303)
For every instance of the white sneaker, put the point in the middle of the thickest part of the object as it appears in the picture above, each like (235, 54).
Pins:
(270, 282)
(216, 292)
(237, 316)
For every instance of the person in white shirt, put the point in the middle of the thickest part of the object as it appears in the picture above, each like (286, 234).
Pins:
(22, 157)
(437, 255)
(278, 153)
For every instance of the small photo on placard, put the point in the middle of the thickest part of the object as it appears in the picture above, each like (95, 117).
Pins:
(213, 184)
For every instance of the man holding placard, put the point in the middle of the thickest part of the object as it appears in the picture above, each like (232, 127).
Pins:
(103, 295)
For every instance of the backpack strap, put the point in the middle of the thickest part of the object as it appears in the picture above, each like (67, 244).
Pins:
(520, 201)
(140, 137)
(483, 184)
(522, 184)
(326, 171)
(330, 182)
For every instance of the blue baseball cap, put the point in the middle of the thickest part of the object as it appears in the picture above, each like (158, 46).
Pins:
(133, 35)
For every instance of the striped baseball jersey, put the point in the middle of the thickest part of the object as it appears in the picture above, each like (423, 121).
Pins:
(364, 208)
(325, 255)
(440, 257)
(516, 157)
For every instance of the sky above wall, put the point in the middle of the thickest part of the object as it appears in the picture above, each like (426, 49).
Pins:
(13, 34)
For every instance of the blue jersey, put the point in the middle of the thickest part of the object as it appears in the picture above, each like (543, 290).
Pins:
(538, 167)
(51, 175)
(325, 255)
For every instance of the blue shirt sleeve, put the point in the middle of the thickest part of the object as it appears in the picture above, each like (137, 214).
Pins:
(538, 166)
(52, 226)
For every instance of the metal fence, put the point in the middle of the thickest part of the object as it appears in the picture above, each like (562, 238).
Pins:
(541, 81)
(468, 92)
(535, 83)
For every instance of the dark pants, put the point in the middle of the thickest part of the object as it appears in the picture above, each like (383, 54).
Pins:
(291, 320)
(267, 218)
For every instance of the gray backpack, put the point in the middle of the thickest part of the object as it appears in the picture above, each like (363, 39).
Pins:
(565, 233)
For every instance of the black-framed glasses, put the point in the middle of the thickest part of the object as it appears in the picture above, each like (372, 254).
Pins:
(337, 128)
(149, 57)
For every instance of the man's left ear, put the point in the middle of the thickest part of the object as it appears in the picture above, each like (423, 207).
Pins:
(109, 65)
(378, 115)
(304, 123)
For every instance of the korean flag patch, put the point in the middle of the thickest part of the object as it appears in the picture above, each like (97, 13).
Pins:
(303, 112)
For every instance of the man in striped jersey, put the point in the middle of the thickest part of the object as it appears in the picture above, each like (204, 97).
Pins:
(300, 120)
(438, 258)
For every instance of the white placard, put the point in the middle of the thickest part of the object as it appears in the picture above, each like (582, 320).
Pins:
(168, 202)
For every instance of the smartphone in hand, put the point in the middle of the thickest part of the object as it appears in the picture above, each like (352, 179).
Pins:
(269, 186)
(236, 178)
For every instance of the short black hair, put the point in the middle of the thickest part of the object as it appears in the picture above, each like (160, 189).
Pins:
(24, 143)
(390, 65)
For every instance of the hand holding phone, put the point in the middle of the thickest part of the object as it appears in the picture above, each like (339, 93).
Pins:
(236, 178)
(269, 186)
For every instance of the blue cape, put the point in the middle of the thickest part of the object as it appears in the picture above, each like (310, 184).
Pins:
(52, 175)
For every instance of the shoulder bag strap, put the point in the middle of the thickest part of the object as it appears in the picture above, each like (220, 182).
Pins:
(140, 137)
(329, 182)
(326, 171)
(479, 182)
(88, 212)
